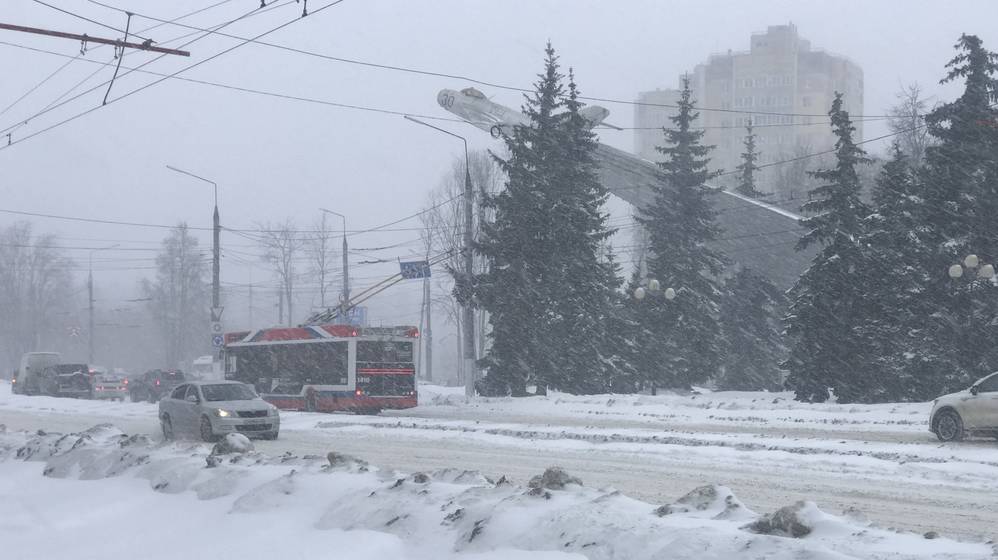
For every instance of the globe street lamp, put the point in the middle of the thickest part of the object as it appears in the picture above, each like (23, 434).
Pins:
(972, 262)
(653, 287)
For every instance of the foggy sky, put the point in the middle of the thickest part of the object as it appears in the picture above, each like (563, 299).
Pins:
(275, 159)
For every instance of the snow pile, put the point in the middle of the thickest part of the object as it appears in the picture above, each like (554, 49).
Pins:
(709, 502)
(338, 502)
(797, 520)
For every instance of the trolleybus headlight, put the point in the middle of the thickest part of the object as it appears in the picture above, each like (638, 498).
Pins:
(359, 392)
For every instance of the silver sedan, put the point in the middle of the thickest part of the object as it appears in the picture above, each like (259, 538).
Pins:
(213, 409)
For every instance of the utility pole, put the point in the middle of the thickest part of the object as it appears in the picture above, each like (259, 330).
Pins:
(470, 369)
(84, 39)
(469, 273)
(251, 298)
(428, 333)
(280, 306)
(90, 307)
(345, 297)
(216, 251)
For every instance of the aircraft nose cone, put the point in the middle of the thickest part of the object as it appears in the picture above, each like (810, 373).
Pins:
(446, 98)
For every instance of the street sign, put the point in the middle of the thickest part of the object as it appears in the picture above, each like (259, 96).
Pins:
(216, 327)
(415, 269)
(216, 314)
(217, 340)
(357, 316)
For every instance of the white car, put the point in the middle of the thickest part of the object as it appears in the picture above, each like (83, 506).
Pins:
(212, 409)
(973, 411)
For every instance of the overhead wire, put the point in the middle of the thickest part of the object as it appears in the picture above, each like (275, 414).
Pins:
(95, 72)
(78, 57)
(453, 76)
(146, 86)
(249, 90)
(84, 18)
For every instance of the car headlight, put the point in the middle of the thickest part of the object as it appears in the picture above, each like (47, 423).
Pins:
(222, 413)
(272, 411)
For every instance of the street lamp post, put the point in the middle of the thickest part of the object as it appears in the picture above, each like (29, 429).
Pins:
(972, 262)
(216, 309)
(345, 298)
(90, 302)
(471, 372)
(653, 287)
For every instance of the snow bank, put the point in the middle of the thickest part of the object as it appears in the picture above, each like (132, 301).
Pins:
(700, 407)
(339, 503)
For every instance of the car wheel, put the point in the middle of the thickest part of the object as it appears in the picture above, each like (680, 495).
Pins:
(270, 436)
(206, 432)
(949, 426)
(167, 426)
(135, 396)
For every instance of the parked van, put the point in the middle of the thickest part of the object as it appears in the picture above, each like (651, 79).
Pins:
(29, 375)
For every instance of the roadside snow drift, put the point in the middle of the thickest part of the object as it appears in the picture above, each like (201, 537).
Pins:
(150, 500)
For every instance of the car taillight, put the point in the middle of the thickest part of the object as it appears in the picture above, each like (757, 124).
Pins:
(157, 382)
(125, 382)
(359, 392)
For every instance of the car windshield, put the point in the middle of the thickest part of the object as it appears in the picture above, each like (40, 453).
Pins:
(63, 369)
(227, 392)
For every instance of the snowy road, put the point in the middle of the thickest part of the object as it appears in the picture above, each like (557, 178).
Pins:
(771, 452)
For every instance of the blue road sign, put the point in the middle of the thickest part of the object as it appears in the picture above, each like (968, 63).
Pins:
(357, 316)
(217, 340)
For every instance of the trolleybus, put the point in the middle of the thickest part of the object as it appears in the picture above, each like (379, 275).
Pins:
(327, 368)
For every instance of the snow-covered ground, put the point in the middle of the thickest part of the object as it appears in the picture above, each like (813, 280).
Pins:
(103, 494)
(770, 450)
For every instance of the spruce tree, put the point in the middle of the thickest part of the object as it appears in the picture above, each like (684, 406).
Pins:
(751, 312)
(680, 338)
(581, 293)
(826, 348)
(959, 183)
(894, 241)
(747, 168)
(548, 293)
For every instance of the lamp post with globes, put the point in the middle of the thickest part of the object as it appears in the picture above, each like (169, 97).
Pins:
(640, 293)
(652, 287)
(985, 272)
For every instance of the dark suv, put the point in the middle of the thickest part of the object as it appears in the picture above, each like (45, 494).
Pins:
(153, 384)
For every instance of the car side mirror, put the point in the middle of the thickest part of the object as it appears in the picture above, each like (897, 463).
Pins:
(193, 399)
(974, 389)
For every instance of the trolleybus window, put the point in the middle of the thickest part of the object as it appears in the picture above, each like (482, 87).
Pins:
(384, 351)
(324, 363)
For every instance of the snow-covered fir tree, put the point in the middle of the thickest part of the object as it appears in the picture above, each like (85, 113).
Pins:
(959, 183)
(827, 302)
(679, 342)
(894, 241)
(548, 293)
(751, 312)
(748, 168)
